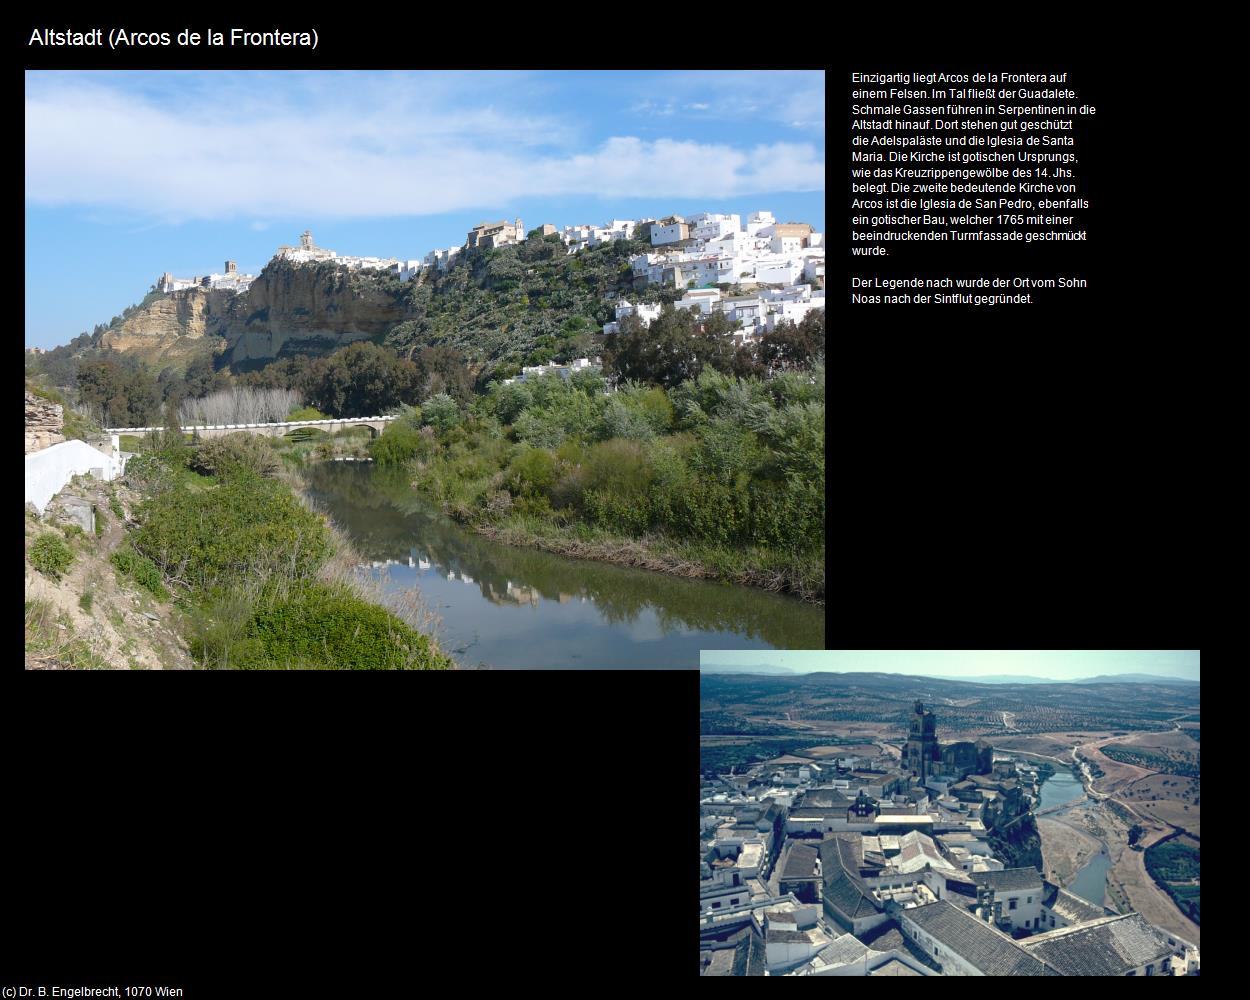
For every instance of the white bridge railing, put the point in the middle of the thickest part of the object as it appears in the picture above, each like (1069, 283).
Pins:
(243, 427)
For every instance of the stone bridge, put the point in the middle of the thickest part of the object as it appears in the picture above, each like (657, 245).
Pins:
(375, 424)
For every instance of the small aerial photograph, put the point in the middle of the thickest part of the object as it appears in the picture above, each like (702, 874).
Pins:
(949, 813)
(422, 370)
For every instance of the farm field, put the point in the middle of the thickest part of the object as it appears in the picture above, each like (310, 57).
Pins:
(1175, 865)
(1165, 797)
(1048, 744)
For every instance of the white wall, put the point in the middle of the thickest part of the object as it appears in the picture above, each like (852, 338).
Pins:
(48, 471)
(773, 273)
(952, 964)
(666, 234)
(1025, 912)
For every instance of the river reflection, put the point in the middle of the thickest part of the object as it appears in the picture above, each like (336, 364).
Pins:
(504, 606)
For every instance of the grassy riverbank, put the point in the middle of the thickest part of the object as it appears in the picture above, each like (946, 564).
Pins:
(261, 580)
(718, 477)
(750, 568)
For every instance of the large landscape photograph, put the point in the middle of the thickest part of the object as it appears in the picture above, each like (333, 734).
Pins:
(423, 370)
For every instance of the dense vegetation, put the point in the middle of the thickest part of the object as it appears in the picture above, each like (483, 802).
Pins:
(1174, 861)
(247, 562)
(521, 305)
(731, 470)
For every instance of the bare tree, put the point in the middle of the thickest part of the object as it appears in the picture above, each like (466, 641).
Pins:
(239, 405)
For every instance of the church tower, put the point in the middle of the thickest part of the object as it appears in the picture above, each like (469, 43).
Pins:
(922, 746)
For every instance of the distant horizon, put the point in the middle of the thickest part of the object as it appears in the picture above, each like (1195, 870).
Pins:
(967, 665)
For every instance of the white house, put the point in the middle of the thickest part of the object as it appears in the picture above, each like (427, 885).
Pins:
(777, 271)
(709, 226)
(441, 259)
(703, 299)
(786, 245)
(551, 368)
(646, 312)
(757, 221)
(674, 233)
(963, 945)
(1013, 895)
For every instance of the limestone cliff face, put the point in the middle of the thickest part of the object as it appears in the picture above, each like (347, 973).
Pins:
(324, 306)
(43, 423)
(173, 327)
(288, 308)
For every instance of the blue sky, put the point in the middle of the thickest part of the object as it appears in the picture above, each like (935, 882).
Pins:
(1059, 664)
(129, 174)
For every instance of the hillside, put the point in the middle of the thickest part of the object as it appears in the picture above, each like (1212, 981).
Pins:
(964, 706)
(523, 304)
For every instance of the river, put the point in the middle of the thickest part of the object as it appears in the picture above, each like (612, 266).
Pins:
(1062, 788)
(503, 606)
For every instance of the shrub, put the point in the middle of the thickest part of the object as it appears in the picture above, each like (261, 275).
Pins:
(621, 468)
(623, 421)
(440, 412)
(84, 601)
(51, 556)
(130, 563)
(532, 473)
(507, 402)
(306, 413)
(319, 625)
(236, 453)
(148, 474)
(73, 531)
(115, 506)
(167, 444)
(399, 443)
(247, 527)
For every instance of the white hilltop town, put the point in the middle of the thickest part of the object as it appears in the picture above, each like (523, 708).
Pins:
(781, 263)
(851, 861)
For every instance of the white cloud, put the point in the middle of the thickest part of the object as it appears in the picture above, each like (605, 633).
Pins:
(401, 151)
(795, 98)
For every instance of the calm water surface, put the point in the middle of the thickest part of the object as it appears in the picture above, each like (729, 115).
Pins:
(503, 606)
(1062, 786)
(1091, 881)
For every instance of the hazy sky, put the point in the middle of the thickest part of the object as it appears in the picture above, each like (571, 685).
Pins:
(1060, 664)
(130, 174)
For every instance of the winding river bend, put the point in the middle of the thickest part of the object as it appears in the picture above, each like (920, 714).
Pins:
(504, 607)
(1063, 788)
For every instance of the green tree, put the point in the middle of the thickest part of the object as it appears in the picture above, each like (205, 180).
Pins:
(360, 380)
(440, 412)
(675, 348)
(444, 369)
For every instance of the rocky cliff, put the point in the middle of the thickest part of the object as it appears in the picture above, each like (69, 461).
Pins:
(288, 308)
(319, 308)
(172, 328)
(44, 423)
(1018, 844)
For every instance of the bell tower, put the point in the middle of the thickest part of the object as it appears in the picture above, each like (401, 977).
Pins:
(922, 747)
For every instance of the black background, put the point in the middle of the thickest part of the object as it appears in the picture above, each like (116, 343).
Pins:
(989, 473)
